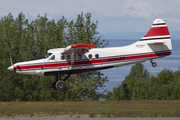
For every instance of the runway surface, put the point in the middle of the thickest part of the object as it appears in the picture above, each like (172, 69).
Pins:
(84, 118)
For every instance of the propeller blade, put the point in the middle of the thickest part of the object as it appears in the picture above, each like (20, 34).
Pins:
(12, 66)
(11, 59)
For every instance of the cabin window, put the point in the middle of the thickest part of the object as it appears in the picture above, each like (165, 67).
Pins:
(74, 56)
(80, 56)
(52, 58)
(62, 57)
(47, 55)
(97, 55)
(68, 57)
(90, 55)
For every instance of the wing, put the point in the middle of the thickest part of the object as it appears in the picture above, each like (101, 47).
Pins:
(78, 48)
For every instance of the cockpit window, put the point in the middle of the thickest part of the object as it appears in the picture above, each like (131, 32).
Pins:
(44, 57)
(52, 58)
(47, 55)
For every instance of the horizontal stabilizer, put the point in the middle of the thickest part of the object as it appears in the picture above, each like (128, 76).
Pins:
(155, 42)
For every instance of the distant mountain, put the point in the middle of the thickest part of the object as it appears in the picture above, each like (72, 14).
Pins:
(132, 35)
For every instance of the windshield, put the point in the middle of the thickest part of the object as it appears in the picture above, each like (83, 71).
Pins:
(47, 55)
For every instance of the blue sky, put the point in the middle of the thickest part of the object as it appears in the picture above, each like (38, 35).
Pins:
(112, 15)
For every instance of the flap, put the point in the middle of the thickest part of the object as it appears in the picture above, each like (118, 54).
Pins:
(78, 48)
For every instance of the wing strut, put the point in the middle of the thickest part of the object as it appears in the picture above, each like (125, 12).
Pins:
(72, 60)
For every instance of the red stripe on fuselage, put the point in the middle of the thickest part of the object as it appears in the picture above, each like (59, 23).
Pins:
(96, 61)
(157, 31)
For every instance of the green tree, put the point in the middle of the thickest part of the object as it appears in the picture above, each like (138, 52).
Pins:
(138, 85)
(26, 40)
(175, 85)
(135, 85)
(136, 80)
(163, 81)
(109, 96)
(84, 85)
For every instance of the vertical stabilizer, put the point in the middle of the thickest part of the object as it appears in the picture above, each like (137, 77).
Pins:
(158, 33)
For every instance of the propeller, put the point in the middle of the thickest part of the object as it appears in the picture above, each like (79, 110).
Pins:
(11, 59)
(12, 66)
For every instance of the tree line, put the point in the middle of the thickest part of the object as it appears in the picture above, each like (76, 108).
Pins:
(139, 85)
(26, 40)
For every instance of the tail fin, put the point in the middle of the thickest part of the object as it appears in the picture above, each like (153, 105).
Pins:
(158, 33)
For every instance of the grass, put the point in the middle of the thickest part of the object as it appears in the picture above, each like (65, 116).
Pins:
(93, 108)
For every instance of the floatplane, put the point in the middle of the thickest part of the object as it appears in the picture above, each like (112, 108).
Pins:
(81, 57)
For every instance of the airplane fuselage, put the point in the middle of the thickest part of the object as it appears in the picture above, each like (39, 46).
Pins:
(83, 57)
(95, 59)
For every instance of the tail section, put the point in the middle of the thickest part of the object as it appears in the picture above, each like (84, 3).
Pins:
(158, 34)
(158, 29)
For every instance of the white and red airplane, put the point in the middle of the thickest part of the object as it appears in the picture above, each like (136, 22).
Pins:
(82, 57)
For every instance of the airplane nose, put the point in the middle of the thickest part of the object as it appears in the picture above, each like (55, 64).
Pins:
(11, 67)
